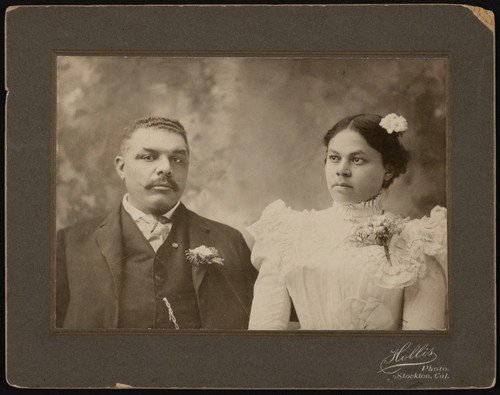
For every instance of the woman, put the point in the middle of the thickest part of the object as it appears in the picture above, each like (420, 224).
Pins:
(352, 266)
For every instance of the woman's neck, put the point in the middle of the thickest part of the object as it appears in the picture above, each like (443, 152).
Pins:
(362, 209)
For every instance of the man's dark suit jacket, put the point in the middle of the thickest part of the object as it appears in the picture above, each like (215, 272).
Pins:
(89, 263)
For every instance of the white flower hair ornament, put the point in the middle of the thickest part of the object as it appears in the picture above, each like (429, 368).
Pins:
(394, 123)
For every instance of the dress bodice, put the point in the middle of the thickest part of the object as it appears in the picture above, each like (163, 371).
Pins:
(334, 280)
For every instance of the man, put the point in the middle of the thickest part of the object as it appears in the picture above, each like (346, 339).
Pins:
(152, 263)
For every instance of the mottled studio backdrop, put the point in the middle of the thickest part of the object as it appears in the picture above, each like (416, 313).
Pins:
(255, 127)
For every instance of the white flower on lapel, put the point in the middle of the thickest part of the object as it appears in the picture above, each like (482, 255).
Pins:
(204, 255)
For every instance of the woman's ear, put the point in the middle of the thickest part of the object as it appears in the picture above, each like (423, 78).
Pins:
(389, 173)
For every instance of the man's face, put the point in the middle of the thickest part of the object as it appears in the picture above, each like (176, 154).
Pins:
(154, 166)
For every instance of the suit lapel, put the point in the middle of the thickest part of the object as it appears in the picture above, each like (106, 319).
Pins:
(199, 234)
(109, 239)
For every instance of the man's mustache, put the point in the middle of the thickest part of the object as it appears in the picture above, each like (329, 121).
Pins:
(163, 182)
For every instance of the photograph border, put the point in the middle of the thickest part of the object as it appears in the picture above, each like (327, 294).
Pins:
(37, 358)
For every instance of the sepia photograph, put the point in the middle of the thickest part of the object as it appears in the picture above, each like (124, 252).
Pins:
(218, 192)
(250, 197)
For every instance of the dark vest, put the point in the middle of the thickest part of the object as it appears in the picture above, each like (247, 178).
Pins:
(150, 277)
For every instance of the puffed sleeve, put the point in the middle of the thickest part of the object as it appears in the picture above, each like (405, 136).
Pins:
(271, 304)
(425, 300)
(421, 241)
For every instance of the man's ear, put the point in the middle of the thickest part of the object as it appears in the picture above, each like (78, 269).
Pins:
(119, 165)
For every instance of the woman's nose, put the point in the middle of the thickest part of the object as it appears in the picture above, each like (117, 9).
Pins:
(343, 170)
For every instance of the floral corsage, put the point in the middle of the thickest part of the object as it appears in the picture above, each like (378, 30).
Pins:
(379, 230)
(204, 255)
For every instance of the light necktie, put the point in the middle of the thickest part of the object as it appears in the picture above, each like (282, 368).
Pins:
(155, 231)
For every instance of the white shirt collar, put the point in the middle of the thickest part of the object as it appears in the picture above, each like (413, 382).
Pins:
(137, 214)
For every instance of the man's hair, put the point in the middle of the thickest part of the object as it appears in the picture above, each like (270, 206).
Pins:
(169, 125)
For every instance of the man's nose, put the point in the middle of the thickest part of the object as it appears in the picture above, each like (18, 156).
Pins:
(163, 165)
(344, 169)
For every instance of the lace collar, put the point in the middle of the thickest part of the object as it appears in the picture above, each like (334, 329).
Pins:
(356, 210)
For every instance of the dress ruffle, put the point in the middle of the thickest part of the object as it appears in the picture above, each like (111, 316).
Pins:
(275, 233)
(408, 252)
(271, 219)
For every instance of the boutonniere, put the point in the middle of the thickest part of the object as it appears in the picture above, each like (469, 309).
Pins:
(378, 230)
(204, 255)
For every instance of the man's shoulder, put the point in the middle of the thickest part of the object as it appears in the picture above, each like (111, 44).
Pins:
(87, 226)
(212, 225)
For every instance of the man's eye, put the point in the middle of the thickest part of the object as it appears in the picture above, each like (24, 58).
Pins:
(147, 157)
(177, 159)
(333, 158)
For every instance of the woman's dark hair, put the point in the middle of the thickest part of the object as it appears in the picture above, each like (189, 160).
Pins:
(394, 155)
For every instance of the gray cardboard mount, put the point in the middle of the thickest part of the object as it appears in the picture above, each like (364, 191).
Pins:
(38, 357)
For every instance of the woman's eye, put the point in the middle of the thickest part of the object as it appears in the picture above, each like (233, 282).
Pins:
(358, 161)
(333, 158)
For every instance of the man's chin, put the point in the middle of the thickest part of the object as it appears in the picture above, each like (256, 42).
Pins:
(162, 207)
(160, 204)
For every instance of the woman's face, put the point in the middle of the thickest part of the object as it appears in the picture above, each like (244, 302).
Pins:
(354, 170)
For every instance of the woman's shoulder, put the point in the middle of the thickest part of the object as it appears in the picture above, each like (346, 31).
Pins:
(436, 218)
(422, 239)
(431, 230)
(277, 219)
(276, 208)
(410, 244)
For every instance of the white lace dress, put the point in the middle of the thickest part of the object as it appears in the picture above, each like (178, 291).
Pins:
(309, 257)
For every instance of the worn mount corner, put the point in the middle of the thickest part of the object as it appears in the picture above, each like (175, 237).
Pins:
(486, 17)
